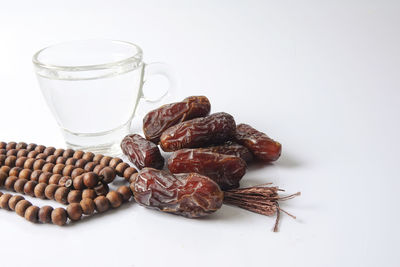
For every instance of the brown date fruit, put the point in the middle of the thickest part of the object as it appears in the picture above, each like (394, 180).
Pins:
(262, 147)
(214, 129)
(158, 120)
(191, 195)
(231, 148)
(225, 170)
(142, 152)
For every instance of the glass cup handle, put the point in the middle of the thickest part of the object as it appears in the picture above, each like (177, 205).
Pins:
(153, 69)
(145, 103)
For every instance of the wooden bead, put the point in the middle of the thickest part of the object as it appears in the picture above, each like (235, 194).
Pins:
(74, 196)
(48, 167)
(78, 182)
(19, 185)
(71, 161)
(31, 146)
(68, 169)
(88, 206)
(59, 216)
(14, 200)
(65, 181)
(78, 154)
(20, 162)
(10, 161)
(2, 159)
(15, 171)
(102, 204)
(22, 153)
(61, 195)
(38, 165)
(4, 201)
(32, 154)
(3, 177)
(25, 174)
(88, 156)
(101, 189)
(105, 160)
(90, 166)
(55, 178)
(21, 145)
(9, 183)
(121, 167)
(11, 145)
(32, 214)
(76, 172)
(3, 145)
(58, 152)
(90, 179)
(98, 168)
(41, 156)
(89, 193)
(107, 174)
(128, 172)
(74, 211)
(36, 174)
(11, 152)
(68, 153)
(114, 198)
(45, 177)
(49, 150)
(29, 163)
(51, 159)
(29, 188)
(21, 207)
(45, 214)
(50, 191)
(5, 169)
(61, 160)
(97, 158)
(125, 192)
(40, 148)
(39, 190)
(80, 163)
(58, 168)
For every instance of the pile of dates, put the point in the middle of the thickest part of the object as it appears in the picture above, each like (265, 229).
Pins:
(211, 145)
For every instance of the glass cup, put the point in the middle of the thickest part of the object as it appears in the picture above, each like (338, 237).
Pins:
(93, 88)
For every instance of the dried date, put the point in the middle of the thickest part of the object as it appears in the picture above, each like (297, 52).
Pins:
(158, 120)
(191, 195)
(142, 152)
(200, 132)
(231, 148)
(262, 147)
(225, 170)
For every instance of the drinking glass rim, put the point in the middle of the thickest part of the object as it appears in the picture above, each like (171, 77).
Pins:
(136, 57)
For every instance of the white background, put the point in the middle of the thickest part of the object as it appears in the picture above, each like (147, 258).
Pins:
(322, 77)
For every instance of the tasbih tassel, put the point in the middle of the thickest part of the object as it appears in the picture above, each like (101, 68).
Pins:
(261, 199)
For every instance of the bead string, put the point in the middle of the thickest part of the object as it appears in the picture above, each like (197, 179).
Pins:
(33, 170)
(80, 159)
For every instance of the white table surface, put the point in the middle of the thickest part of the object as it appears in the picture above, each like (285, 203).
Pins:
(322, 77)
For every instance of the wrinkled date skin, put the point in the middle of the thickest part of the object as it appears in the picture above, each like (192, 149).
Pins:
(158, 120)
(231, 148)
(142, 152)
(262, 147)
(225, 170)
(211, 130)
(191, 195)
